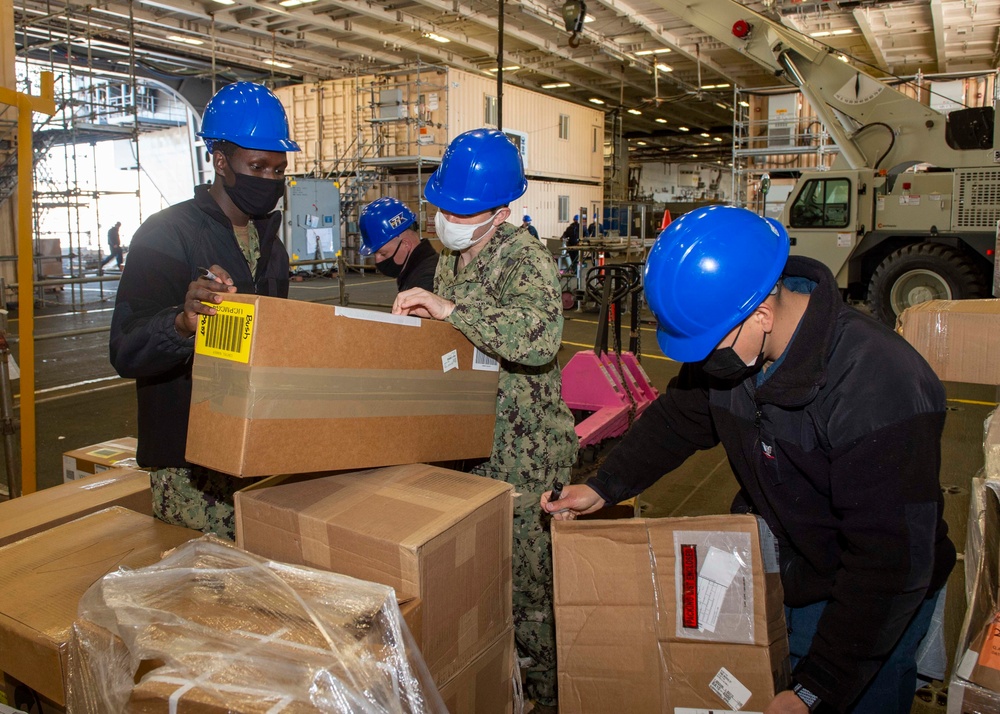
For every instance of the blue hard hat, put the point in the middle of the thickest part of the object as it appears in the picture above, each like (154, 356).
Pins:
(248, 115)
(526, 219)
(707, 272)
(480, 170)
(382, 220)
(576, 217)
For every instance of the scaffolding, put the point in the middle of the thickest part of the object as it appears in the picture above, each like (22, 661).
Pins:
(93, 106)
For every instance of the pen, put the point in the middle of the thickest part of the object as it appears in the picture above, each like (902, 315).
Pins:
(557, 488)
(206, 273)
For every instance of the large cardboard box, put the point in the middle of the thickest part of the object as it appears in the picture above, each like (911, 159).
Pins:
(960, 339)
(42, 578)
(39, 511)
(283, 386)
(656, 614)
(428, 532)
(486, 684)
(117, 453)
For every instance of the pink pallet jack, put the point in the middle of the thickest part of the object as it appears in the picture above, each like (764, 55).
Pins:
(610, 388)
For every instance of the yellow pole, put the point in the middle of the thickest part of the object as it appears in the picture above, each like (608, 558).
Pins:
(25, 104)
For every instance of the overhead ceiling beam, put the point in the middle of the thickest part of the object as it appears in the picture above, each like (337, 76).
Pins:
(861, 17)
(937, 23)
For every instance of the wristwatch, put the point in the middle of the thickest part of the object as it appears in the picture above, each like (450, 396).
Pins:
(808, 698)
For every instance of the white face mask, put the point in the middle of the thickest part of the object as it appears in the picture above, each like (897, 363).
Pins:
(458, 236)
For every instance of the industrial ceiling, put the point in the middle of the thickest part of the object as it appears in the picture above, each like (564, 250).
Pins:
(671, 84)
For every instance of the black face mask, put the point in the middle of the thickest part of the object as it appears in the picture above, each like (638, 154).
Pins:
(253, 195)
(389, 267)
(724, 363)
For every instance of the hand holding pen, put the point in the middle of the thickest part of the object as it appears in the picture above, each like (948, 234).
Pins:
(207, 289)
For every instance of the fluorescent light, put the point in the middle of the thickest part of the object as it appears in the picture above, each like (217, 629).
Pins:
(226, 2)
(720, 105)
(683, 128)
(634, 111)
(715, 86)
(843, 58)
(744, 104)
(824, 33)
(595, 100)
(659, 51)
(706, 135)
(185, 40)
(436, 37)
(277, 63)
(716, 138)
(511, 68)
(664, 67)
(641, 143)
(588, 18)
(661, 120)
(693, 156)
(845, 31)
(555, 85)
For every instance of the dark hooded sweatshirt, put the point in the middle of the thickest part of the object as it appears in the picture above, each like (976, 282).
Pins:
(838, 450)
(163, 259)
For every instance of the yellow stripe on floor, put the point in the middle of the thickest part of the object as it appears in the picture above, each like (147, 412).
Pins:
(590, 347)
(973, 401)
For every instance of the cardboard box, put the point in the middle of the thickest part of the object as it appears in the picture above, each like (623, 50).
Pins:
(428, 532)
(117, 453)
(42, 578)
(627, 593)
(284, 386)
(960, 339)
(39, 511)
(486, 684)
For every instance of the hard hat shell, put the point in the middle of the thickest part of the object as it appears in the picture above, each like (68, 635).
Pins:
(707, 272)
(526, 219)
(382, 220)
(481, 169)
(248, 115)
(576, 217)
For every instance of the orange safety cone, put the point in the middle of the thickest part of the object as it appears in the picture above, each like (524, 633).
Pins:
(666, 219)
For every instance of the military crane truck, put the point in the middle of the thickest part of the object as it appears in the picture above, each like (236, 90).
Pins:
(892, 237)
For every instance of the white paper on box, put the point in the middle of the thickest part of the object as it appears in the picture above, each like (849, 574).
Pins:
(358, 314)
(730, 690)
(968, 663)
(769, 552)
(483, 362)
(717, 573)
(449, 361)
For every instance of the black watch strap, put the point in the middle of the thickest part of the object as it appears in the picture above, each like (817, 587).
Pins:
(808, 698)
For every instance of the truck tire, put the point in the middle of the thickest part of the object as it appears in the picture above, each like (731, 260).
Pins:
(921, 272)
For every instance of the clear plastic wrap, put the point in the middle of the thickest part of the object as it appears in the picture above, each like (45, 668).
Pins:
(991, 445)
(211, 628)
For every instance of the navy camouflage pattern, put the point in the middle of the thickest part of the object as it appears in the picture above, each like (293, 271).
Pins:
(508, 304)
(197, 498)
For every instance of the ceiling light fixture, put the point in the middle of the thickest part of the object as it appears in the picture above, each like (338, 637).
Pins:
(658, 51)
(716, 138)
(436, 37)
(510, 68)
(664, 67)
(744, 104)
(555, 85)
(641, 143)
(277, 63)
(661, 120)
(595, 100)
(683, 128)
(706, 135)
(824, 33)
(845, 31)
(185, 40)
(693, 156)
(634, 111)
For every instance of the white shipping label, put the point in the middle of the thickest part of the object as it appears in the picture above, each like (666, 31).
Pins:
(730, 690)
(881, 203)
(768, 548)
(483, 362)
(717, 573)
(449, 361)
(844, 240)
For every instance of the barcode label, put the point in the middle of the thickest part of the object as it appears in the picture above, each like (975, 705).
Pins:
(483, 362)
(228, 333)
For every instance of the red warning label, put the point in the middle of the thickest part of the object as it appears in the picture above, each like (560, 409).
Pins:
(689, 585)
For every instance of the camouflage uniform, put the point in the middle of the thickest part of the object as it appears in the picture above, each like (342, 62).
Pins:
(507, 302)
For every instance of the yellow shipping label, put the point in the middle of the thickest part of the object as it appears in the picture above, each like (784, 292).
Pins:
(227, 334)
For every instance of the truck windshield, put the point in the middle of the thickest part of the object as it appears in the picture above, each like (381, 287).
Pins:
(822, 203)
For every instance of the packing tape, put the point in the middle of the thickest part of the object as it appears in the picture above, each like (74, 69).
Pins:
(253, 392)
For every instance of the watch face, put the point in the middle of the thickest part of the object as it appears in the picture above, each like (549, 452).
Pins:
(859, 90)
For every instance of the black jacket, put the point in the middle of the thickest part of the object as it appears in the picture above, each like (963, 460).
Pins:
(165, 254)
(419, 269)
(839, 451)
